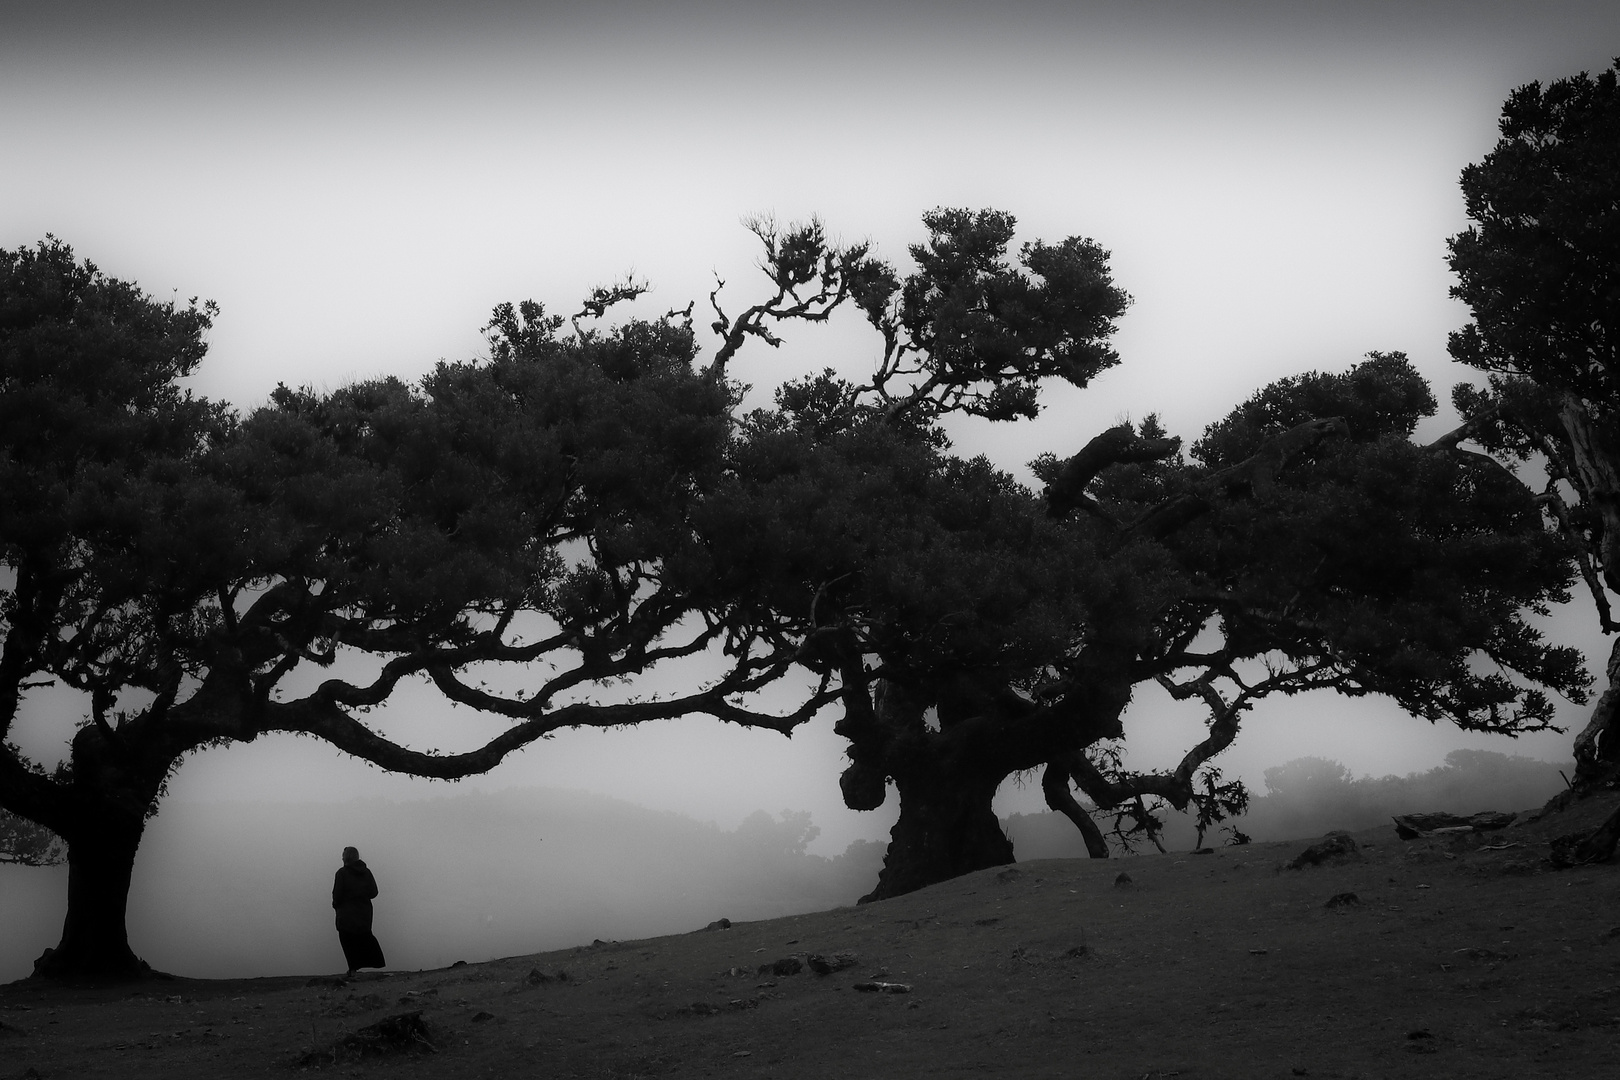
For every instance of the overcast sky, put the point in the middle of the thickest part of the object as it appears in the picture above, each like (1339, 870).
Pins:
(357, 184)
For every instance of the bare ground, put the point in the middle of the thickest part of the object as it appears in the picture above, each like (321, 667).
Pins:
(1458, 957)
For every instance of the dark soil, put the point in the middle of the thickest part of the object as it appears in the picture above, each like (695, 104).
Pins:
(1465, 955)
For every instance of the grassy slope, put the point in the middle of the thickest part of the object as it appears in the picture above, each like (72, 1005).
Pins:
(1203, 966)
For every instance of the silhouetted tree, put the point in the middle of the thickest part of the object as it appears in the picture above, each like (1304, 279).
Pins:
(1540, 270)
(575, 510)
(201, 578)
(977, 631)
(789, 837)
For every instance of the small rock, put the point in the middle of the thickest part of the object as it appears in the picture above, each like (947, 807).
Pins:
(459, 963)
(719, 924)
(788, 965)
(480, 1017)
(883, 987)
(1076, 952)
(1009, 875)
(826, 965)
(1335, 847)
(1122, 880)
(1344, 899)
(406, 1033)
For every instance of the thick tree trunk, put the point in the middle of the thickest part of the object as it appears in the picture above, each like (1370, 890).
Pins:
(1597, 747)
(946, 828)
(947, 772)
(95, 942)
(112, 791)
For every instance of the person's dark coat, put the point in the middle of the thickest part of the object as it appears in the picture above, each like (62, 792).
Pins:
(352, 891)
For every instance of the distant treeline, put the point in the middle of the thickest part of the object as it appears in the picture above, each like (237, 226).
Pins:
(1310, 796)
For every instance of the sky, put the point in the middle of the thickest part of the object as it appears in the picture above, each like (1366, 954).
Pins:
(358, 184)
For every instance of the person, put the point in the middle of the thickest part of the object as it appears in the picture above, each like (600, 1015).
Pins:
(352, 891)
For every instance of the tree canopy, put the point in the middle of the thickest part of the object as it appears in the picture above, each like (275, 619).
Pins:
(978, 630)
(526, 531)
(202, 578)
(1540, 271)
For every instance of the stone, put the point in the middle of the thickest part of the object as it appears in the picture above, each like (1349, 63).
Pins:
(1334, 848)
(788, 965)
(826, 965)
(1416, 826)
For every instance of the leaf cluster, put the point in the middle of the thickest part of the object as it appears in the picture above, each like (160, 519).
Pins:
(1540, 266)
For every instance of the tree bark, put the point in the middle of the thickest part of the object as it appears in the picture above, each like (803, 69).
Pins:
(1597, 747)
(95, 940)
(1055, 786)
(111, 792)
(1596, 457)
(946, 828)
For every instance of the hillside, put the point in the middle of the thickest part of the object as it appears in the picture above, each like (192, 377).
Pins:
(1457, 957)
(225, 890)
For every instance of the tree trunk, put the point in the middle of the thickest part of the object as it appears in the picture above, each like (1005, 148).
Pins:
(946, 828)
(1055, 786)
(113, 789)
(1597, 747)
(95, 942)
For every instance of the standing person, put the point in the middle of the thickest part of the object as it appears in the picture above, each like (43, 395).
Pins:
(352, 890)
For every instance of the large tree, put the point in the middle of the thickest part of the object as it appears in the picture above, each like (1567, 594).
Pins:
(979, 631)
(1540, 270)
(577, 508)
(200, 578)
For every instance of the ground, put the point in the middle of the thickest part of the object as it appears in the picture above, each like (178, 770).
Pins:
(1457, 957)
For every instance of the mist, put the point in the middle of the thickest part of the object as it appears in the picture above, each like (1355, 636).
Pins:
(244, 889)
(1311, 796)
(358, 184)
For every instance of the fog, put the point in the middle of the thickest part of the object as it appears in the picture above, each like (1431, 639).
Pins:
(243, 889)
(358, 184)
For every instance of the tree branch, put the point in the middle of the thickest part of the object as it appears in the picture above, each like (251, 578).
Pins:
(325, 720)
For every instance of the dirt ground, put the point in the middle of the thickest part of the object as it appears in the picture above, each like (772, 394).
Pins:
(1457, 957)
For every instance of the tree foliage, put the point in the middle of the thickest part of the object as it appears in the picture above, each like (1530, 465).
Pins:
(977, 630)
(527, 531)
(1540, 271)
(201, 578)
(24, 843)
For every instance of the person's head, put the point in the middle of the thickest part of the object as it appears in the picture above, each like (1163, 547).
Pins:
(351, 855)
